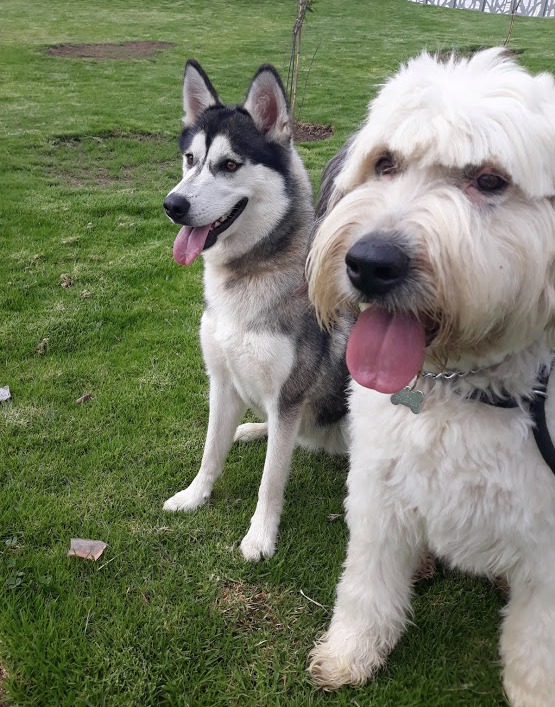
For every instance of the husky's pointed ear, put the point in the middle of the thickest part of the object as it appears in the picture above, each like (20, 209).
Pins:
(267, 104)
(198, 92)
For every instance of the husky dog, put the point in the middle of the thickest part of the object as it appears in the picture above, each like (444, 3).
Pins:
(245, 203)
(441, 225)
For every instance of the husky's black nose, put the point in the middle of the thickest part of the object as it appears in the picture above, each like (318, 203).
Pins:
(176, 207)
(375, 266)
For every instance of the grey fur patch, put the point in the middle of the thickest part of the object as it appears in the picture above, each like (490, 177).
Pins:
(282, 250)
(329, 175)
(319, 376)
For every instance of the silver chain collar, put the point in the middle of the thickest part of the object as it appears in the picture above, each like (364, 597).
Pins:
(413, 398)
(450, 375)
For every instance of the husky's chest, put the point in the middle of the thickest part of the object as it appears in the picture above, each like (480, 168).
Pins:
(256, 360)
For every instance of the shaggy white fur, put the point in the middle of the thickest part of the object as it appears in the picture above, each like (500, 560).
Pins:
(454, 173)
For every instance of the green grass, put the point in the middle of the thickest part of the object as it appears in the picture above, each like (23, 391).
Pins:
(171, 614)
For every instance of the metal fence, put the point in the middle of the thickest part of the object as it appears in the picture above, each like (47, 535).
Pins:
(530, 8)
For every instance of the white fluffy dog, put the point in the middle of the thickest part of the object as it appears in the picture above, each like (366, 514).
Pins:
(441, 225)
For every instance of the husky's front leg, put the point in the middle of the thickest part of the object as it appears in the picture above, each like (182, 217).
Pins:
(373, 594)
(260, 541)
(226, 409)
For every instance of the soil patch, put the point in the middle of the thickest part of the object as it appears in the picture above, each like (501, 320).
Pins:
(3, 675)
(311, 132)
(70, 140)
(471, 49)
(125, 50)
(247, 605)
(112, 160)
(251, 608)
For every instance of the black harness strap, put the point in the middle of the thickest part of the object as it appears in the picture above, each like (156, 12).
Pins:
(541, 431)
(537, 411)
(496, 401)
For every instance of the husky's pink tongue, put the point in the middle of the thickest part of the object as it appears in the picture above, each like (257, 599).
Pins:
(189, 243)
(385, 351)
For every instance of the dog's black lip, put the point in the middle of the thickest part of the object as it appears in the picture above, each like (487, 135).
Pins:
(235, 212)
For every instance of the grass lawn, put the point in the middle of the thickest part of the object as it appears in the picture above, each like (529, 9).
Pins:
(92, 302)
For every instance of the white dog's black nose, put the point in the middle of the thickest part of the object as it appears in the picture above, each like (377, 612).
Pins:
(375, 267)
(176, 207)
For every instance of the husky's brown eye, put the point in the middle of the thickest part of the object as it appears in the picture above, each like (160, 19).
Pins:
(231, 166)
(490, 183)
(385, 166)
(189, 158)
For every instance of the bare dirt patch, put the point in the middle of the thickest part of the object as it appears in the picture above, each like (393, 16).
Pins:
(311, 132)
(107, 51)
(84, 176)
(3, 676)
(248, 607)
(471, 49)
(111, 160)
(99, 137)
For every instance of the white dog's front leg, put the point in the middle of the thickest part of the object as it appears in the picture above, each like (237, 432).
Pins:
(373, 594)
(260, 541)
(528, 642)
(226, 409)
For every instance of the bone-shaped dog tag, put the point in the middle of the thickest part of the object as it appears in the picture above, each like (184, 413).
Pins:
(410, 398)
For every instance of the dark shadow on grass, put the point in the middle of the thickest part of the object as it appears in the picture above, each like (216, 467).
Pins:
(110, 159)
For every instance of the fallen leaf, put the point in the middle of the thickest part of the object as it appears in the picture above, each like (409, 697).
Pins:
(333, 517)
(66, 281)
(42, 347)
(88, 549)
(15, 580)
(84, 398)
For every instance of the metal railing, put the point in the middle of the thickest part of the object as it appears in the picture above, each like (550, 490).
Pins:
(530, 8)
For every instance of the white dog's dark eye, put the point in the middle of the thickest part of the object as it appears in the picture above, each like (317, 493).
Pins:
(189, 158)
(231, 166)
(385, 165)
(490, 183)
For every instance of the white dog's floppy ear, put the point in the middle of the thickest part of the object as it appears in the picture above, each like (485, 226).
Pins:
(267, 104)
(198, 92)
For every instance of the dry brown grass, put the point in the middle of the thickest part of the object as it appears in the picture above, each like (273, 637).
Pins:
(3, 675)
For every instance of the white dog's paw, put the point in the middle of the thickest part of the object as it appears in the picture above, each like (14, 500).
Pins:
(258, 545)
(251, 431)
(187, 500)
(521, 691)
(333, 663)
(527, 649)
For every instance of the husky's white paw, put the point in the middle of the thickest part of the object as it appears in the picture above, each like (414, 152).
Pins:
(250, 431)
(333, 663)
(190, 498)
(257, 545)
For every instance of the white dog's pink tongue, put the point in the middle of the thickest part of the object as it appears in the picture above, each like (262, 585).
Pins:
(385, 351)
(189, 243)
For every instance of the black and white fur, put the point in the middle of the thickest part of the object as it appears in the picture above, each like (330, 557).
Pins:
(262, 346)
